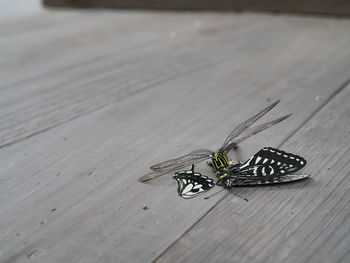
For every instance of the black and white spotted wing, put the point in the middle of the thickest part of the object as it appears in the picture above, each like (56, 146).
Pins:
(191, 184)
(269, 163)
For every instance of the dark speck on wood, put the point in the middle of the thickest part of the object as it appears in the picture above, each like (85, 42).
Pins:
(33, 253)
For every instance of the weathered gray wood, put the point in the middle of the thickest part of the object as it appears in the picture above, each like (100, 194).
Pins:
(75, 80)
(78, 36)
(70, 193)
(303, 222)
(14, 9)
(113, 51)
(337, 7)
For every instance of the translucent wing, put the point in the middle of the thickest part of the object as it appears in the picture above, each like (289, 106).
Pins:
(154, 174)
(176, 164)
(191, 184)
(245, 125)
(197, 155)
(270, 163)
(250, 132)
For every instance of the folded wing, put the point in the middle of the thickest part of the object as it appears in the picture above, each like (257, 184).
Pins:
(269, 163)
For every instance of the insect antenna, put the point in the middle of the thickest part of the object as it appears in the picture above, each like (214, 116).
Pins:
(230, 190)
(192, 168)
(245, 199)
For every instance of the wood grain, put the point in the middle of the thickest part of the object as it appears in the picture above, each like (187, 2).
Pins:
(74, 77)
(69, 193)
(74, 67)
(15, 9)
(301, 222)
(334, 7)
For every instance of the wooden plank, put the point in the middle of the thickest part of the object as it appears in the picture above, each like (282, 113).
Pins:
(74, 37)
(38, 22)
(86, 77)
(334, 7)
(86, 64)
(70, 193)
(303, 222)
(14, 9)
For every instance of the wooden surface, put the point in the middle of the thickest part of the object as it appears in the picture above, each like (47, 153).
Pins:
(90, 99)
(333, 7)
(13, 9)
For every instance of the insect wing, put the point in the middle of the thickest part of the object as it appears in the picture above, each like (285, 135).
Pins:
(185, 160)
(276, 180)
(176, 164)
(154, 174)
(245, 125)
(271, 162)
(250, 132)
(258, 171)
(191, 184)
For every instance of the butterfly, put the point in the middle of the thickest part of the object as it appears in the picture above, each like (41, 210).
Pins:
(267, 166)
(191, 184)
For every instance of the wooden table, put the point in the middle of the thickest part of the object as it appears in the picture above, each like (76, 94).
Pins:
(89, 100)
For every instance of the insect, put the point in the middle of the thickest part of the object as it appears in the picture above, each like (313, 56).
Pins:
(191, 184)
(219, 158)
(268, 166)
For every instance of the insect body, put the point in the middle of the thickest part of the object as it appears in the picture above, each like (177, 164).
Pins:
(219, 159)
